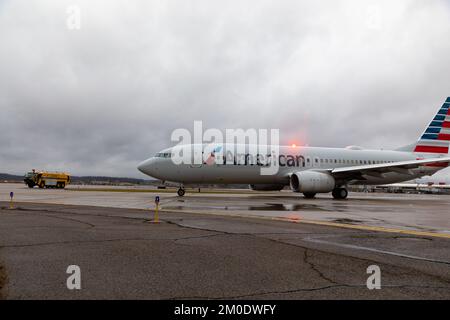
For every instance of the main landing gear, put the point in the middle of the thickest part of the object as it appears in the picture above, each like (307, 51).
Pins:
(181, 192)
(340, 193)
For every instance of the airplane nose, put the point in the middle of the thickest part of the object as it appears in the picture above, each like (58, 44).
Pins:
(141, 166)
(146, 166)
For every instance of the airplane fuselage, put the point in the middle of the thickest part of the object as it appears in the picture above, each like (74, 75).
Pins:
(290, 159)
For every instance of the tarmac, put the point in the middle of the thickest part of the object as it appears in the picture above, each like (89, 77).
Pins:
(222, 245)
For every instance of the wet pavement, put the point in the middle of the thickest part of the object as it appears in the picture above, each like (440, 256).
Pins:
(423, 213)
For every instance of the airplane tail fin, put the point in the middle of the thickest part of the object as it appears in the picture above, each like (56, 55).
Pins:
(436, 138)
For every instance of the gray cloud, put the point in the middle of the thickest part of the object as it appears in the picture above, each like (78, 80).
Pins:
(100, 99)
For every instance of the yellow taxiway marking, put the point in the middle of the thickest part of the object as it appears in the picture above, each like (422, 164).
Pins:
(323, 223)
(373, 228)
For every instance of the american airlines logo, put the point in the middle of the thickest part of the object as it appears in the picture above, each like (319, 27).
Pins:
(247, 159)
(234, 146)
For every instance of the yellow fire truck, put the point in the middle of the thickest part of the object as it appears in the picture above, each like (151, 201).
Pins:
(44, 179)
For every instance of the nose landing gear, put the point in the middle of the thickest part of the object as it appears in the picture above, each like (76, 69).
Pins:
(181, 192)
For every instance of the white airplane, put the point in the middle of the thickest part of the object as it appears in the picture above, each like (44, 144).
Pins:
(310, 170)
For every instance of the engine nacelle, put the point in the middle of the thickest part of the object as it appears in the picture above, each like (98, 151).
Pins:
(312, 182)
(266, 187)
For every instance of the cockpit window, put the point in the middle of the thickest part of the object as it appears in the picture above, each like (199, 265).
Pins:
(163, 155)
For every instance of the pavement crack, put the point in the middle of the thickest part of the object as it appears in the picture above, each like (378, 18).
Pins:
(70, 219)
(306, 260)
(262, 293)
(70, 242)
(105, 240)
(199, 237)
(299, 290)
(54, 216)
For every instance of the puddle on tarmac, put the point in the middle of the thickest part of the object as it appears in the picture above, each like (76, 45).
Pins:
(245, 207)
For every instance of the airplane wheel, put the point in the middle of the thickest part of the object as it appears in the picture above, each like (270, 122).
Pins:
(309, 195)
(181, 192)
(340, 193)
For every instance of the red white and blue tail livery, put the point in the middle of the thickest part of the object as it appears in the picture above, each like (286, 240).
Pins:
(436, 138)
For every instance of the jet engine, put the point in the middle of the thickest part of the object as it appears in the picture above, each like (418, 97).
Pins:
(312, 182)
(267, 187)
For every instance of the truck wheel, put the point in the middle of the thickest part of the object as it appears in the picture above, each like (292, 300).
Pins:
(63, 185)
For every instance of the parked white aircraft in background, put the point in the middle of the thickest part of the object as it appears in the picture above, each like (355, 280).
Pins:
(311, 170)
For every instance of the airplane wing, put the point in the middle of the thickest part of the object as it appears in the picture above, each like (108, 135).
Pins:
(378, 170)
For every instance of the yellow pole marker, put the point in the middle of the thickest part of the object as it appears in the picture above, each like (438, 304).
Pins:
(156, 218)
(11, 202)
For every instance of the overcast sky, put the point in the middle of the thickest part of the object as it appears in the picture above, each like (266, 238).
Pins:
(99, 99)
